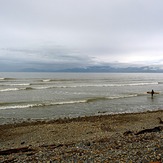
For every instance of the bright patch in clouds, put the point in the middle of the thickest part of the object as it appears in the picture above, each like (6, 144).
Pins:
(142, 58)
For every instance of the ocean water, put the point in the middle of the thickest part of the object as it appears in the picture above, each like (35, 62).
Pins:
(33, 96)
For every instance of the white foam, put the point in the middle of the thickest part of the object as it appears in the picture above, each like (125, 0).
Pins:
(16, 106)
(41, 105)
(125, 96)
(69, 102)
(127, 84)
(21, 84)
(107, 85)
(46, 80)
(9, 89)
(91, 85)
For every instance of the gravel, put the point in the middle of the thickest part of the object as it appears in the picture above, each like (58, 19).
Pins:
(117, 145)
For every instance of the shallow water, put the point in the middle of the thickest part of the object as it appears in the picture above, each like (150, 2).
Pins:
(58, 95)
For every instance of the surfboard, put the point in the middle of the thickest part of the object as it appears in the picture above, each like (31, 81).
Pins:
(154, 92)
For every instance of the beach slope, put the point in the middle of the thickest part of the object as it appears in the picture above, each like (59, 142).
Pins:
(136, 137)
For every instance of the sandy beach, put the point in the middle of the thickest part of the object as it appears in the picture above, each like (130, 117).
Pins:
(136, 137)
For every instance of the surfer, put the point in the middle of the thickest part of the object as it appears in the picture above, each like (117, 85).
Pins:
(152, 92)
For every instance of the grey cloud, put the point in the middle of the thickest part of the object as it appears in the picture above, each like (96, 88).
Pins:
(70, 32)
(43, 58)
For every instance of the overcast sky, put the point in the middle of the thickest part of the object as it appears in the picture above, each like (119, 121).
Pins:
(59, 34)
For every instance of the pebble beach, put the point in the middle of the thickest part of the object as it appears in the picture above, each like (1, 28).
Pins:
(132, 137)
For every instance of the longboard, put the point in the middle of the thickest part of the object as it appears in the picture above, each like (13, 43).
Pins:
(154, 92)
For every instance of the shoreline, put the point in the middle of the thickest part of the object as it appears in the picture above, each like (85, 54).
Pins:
(119, 132)
(31, 121)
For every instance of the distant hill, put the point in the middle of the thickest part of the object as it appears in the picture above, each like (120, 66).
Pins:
(110, 69)
(101, 69)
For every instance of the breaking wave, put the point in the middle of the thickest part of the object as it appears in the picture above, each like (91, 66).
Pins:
(16, 84)
(15, 89)
(46, 80)
(66, 86)
(89, 100)
(121, 85)
(97, 85)
(7, 78)
(58, 80)
(40, 105)
(9, 89)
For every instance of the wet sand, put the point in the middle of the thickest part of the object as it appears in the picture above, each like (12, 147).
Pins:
(136, 137)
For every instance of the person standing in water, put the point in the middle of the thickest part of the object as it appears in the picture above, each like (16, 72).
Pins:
(152, 92)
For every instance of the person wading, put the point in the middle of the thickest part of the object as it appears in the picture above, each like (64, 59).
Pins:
(152, 92)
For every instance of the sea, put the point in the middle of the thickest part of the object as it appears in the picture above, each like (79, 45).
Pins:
(47, 96)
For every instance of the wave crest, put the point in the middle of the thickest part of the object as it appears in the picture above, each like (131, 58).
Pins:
(9, 89)
(94, 99)
(19, 106)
